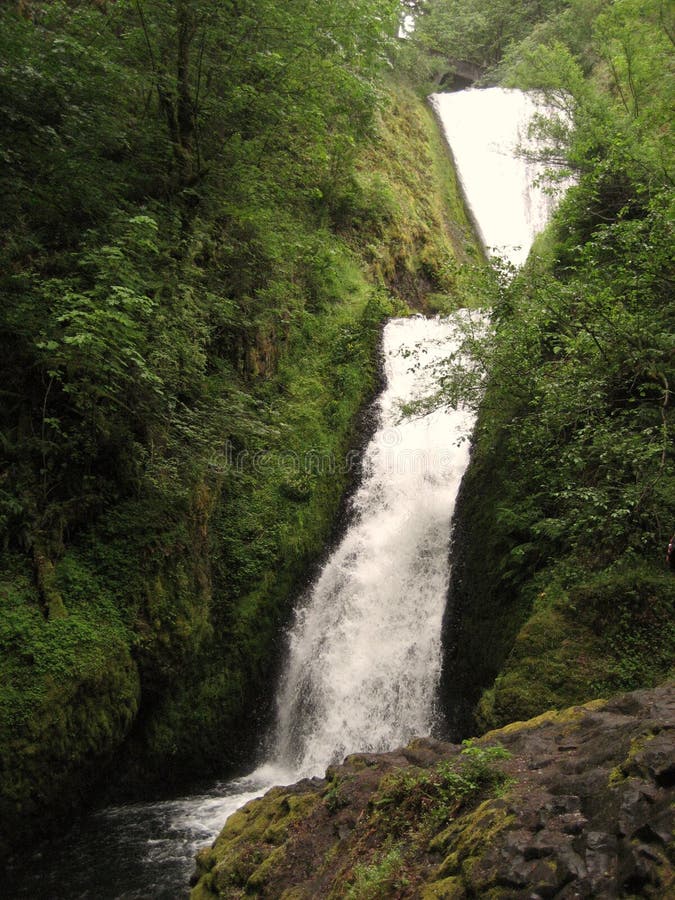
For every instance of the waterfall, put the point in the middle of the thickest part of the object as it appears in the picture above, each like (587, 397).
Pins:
(487, 130)
(364, 653)
(364, 650)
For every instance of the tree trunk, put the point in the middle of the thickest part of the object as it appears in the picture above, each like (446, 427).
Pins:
(46, 583)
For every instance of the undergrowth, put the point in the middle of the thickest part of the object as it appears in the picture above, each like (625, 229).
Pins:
(419, 802)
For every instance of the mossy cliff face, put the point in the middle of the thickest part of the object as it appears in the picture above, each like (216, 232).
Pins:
(520, 636)
(171, 616)
(144, 652)
(416, 226)
(577, 803)
(70, 695)
(484, 610)
(73, 685)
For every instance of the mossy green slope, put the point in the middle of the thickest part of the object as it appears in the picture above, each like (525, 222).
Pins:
(522, 636)
(423, 233)
(171, 603)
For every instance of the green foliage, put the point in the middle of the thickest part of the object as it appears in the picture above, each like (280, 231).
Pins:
(473, 31)
(157, 163)
(575, 425)
(378, 879)
(590, 342)
(581, 352)
(334, 798)
(182, 134)
(423, 801)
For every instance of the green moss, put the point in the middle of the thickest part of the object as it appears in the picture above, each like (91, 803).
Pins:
(251, 845)
(567, 717)
(415, 247)
(551, 664)
(631, 765)
(464, 843)
(468, 833)
(446, 889)
(257, 880)
(611, 633)
(70, 693)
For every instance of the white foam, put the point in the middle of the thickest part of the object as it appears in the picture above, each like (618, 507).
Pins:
(486, 129)
(365, 655)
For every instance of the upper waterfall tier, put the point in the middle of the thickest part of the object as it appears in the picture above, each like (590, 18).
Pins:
(487, 130)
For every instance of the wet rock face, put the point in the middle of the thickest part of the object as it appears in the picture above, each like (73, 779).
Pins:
(582, 808)
(593, 800)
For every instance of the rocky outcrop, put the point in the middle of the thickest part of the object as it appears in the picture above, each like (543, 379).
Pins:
(460, 74)
(578, 804)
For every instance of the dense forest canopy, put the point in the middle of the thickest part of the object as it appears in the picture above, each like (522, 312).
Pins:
(154, 159)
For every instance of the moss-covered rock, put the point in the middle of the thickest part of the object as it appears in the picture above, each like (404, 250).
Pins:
(605, 634)
(252, 844)
(70, 694)
(485, 608)
(524, 632)
(582, 805)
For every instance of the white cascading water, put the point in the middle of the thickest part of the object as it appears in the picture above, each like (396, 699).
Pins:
(364, 656)
(487, 130)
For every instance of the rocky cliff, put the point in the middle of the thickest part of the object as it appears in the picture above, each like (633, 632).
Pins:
(570, 804)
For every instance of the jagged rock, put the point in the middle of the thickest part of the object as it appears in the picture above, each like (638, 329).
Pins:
(581, 809)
